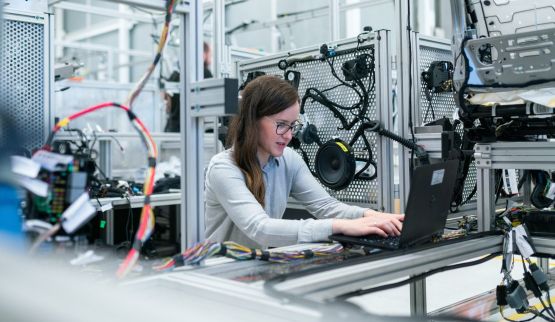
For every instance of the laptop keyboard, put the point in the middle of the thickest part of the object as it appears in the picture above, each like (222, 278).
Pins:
(389, 242)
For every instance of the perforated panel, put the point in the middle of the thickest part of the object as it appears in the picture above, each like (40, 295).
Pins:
(443, 104)
(317, 74)
(22, 77)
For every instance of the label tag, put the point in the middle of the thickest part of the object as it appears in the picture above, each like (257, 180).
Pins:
(25, 167)
(342, 146)
(551, 192)
(437, 176)
(105, 207)
(78, 214)
(525, 248)
(456, 114)
(510, 184)
(52, 161)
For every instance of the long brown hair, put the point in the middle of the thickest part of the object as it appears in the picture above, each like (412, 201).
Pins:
(264, 96)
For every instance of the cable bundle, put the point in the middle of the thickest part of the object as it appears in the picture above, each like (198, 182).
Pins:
(201, 251)
(146, 225)
(510, 292)
(170, 6)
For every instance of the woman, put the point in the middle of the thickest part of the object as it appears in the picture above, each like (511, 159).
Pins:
(247, 186)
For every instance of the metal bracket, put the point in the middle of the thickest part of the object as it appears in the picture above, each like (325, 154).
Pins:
(214, 97)
(482, 155)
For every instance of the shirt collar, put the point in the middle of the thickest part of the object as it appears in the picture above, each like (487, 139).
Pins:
(272, 163)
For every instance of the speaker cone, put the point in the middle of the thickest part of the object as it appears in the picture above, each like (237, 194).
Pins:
(335, 164)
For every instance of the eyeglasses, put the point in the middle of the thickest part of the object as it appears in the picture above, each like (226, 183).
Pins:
(283, 127)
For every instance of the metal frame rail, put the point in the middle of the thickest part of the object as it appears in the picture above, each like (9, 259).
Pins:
(326, 285)
(506, 155)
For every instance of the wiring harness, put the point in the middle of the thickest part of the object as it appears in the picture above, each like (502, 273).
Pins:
(510, 291)
(359, 78)
(146, 225)
(201, 251)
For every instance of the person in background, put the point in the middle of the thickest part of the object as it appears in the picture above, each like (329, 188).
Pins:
(248, 185)
(207, 59)
(171, 99)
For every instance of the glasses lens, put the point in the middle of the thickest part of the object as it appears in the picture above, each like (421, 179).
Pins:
(296, 128)
(281, 128)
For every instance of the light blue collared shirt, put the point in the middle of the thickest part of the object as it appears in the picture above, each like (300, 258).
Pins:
(233, 214)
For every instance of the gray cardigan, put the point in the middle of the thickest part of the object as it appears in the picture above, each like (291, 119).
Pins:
(233, 214)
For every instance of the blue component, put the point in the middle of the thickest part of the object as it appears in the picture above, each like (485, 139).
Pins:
(10, 220)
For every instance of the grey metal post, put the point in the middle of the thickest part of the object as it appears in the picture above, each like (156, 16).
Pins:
(459, 26)
(221, 54)
(485, 180)
(105, 152)
(109, 231)
(383, 96)
(191, 154)
(543, 263)
(48, 72)
(418, 298)
(403, 73)
(334, 19)
(527, 191)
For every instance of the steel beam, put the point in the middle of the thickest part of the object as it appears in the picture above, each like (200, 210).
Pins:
(334, 282)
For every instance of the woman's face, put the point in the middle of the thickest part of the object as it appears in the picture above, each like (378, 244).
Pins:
(269, 141)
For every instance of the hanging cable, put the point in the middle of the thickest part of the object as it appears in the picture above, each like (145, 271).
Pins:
(170, 6)
(146, 224)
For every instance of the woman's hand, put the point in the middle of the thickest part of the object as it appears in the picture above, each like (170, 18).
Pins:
(387, 219)
(375, 223)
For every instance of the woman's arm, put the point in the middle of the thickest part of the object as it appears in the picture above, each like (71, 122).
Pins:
(227, 184)
(318, 202)
(315, 199)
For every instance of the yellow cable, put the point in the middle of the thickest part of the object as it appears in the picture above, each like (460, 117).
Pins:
(538, 306)
(63, 122)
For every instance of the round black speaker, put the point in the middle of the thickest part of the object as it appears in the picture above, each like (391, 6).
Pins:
(335, 164)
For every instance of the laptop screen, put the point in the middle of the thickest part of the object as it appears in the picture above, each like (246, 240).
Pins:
(429, 200)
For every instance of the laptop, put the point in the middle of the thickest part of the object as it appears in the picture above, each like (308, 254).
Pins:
(426, 211)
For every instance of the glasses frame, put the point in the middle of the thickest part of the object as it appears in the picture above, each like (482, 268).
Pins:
(294, 127)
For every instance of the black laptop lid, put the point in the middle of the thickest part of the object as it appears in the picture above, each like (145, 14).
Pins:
(429, 201)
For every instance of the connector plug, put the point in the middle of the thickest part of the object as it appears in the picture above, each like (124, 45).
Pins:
(539, 277)
(516, 297)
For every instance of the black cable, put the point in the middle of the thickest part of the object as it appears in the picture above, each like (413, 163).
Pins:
(331, 88)
(369, 162)
(549, 302)
(498, 187)
(525, 320)
(319, 97)
(430, 107)
(409, 29)
(101, 172)
(129, 231)
(537, 197)
(470, 195)
(92, 144)
(361, 106)
(416, 277)
(541, 315)
(525, 174)
(334, 74)
(546, 308)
